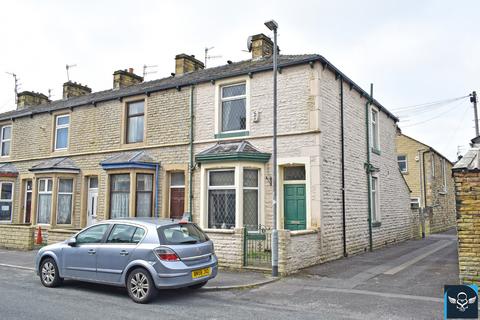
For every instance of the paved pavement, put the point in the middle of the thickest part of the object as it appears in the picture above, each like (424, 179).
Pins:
(404, 281)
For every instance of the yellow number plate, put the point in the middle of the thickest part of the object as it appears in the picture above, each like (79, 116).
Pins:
(201, 273)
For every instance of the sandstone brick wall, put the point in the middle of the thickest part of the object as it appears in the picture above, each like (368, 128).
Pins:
(293, 255)
(19, 237)
(467, 186)
(228, 247)
(59, 235)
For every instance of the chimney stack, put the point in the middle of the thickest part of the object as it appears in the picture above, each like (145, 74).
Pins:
(125, 78)
(29, 99)
(185, 63)
(73, 89)
(261, 46)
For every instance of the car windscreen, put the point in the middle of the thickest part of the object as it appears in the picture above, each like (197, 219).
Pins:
(182, 233)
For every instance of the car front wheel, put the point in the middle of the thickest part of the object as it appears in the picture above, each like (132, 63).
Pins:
(140, 286)
(49, 273)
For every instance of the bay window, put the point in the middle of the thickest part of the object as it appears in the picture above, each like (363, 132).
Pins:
(44, 212)
(119, 195)
(6, 198)
(144, 195)
(221, 199)
(64, 201)
(250, 198)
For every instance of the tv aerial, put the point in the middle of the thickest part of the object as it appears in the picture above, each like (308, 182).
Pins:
(207, 57)
(68, 67)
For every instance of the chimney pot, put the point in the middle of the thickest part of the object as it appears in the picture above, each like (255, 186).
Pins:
(125, 78)
(187, 63)
(29, 99)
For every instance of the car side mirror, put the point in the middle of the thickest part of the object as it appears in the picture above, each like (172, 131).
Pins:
(72, 241)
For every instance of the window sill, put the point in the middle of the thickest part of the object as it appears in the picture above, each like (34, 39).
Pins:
(376, 224)
(303, 232)
(227, 231)
(231, 134)
(376, 151)
(126, 145)
(404, 172)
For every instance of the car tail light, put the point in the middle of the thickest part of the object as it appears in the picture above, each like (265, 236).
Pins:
(166, 254)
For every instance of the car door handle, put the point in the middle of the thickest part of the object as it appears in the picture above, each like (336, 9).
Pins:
(124, 253)
(91, 251)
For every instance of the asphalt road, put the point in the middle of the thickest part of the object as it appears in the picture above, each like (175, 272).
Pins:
(392, 283)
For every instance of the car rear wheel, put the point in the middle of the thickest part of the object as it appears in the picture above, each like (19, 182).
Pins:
(198, 285)
(140, 286)
(49, 275)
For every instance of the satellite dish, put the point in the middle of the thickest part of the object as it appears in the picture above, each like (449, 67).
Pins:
(249, 43)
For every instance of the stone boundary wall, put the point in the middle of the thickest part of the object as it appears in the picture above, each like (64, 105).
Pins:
(298, 250)
(18, 237)
(59, 235)
(228, 246)
(467, 186)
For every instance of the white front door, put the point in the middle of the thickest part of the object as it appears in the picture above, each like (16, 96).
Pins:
(92, 200)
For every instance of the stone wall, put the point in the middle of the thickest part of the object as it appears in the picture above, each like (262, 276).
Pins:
(292, 253)
(19, 237)
(59, 235)
(467, 186)
(228, 247)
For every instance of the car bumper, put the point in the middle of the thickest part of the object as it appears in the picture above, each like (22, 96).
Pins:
(183, 278)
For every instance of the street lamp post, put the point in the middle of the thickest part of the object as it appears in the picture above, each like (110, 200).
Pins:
(273, 26)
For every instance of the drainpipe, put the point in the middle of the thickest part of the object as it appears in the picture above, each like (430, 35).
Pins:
(368, 167)
(157, 182)
(344, 220)
(191, 164)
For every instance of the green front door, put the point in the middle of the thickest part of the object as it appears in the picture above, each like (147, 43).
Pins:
(294, 206)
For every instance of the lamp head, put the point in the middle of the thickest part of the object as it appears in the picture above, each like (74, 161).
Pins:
(272, 25)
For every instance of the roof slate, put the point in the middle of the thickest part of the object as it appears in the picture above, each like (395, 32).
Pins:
(63, 163)
(8, 168)
(129, 157)
(470, 161)
(199, 76)
(222, 148)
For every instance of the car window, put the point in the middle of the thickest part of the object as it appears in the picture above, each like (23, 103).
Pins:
(122, 233)
(181, 234)
(138, 235)
(93, 234)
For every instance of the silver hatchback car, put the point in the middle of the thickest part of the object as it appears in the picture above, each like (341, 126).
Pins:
(141, 254)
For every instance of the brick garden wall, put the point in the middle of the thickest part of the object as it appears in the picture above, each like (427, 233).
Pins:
(228, 247)
(19, 237)
(292, 253)
(467, 185)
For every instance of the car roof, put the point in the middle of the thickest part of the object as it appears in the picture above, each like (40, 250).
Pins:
(147, 221)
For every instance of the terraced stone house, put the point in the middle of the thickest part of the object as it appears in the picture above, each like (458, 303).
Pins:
(429, 176)
(200, 142)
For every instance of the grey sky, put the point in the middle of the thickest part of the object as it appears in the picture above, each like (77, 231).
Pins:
(413, 51)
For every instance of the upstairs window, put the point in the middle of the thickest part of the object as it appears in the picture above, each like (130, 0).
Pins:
(135, 121)
(233, 107)
(5, 138)
(374, 130)
(62, 125)
(402, 163)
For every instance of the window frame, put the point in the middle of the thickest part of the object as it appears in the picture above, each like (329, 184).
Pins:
(375, 133)
(150, 192)
(239, 97)
(406, 163)
(44, 191)
(25, 192)
(3, 140)
(65, 193)
(111, 192)
(444, 175)
(62, 126)
(136, 115)
(233, 187)
(374, 194)
(8, 200)
(257, 188)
